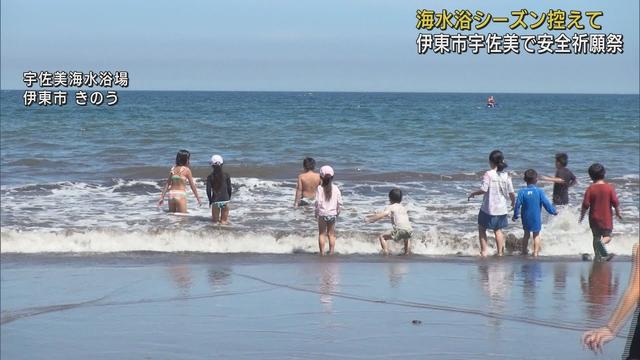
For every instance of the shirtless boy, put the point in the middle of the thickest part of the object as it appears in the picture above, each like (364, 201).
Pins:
(308, 183)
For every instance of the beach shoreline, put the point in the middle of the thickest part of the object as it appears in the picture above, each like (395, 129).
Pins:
(156, 305)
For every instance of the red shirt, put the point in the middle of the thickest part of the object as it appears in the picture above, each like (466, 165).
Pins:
(599, 198)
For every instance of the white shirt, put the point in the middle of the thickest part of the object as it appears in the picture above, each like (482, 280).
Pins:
(497, 187)
(328, 207)
(399, 216)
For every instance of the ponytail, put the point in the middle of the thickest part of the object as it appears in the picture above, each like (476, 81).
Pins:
(497, 158)
(327, 187)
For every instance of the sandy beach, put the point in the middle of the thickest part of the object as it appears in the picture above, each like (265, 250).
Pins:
(189, 306)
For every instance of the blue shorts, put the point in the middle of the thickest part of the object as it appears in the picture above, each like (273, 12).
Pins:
(492, 222)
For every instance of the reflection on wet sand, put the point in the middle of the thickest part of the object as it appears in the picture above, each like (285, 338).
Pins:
(559, 278)
(181, 276)
(530, 274)
(219, 277)
(396, 272)
(329, 281)
(497, 279)
(559, 287)
(599, 289)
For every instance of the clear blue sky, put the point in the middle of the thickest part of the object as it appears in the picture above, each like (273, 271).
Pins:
(329, 45)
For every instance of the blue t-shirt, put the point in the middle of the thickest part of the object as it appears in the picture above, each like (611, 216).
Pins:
(531, 199)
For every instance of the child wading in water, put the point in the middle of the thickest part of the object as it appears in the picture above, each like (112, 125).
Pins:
(176, 187)
(402, 230)
(308, 183)
(599, 198)
(498, 191)
(327, 207)
(562, 181)
(531, 199)
(219, 191)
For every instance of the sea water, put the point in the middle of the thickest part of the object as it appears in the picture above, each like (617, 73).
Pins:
(87, 179)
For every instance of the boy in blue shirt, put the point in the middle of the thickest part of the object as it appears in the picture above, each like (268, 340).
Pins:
(531, 199)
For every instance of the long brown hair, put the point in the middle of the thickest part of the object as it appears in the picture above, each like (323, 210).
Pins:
(218, 178)
(326, 186)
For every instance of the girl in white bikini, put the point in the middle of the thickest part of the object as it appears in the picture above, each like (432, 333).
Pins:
(176, 187)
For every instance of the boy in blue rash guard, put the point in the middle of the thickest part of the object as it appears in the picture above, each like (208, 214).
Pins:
(532, 199)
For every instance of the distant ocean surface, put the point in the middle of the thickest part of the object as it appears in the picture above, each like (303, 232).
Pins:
(87, 179)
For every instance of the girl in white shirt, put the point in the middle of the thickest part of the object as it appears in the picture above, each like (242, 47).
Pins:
(327, 206)
(498, 194)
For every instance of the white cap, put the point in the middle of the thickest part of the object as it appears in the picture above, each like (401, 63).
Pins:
(216, 160)
(326, 171)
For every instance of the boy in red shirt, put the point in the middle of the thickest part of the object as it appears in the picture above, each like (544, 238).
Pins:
(599, 198)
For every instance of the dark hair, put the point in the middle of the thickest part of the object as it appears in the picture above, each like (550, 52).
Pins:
(530, 176)
(562, 158)
(182, 158)
(308, 164)
(218, 178)
(395, 196)
(596, 172)
(497, 159)
(326, 186)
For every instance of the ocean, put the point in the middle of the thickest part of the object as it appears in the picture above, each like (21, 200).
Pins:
(87, 179)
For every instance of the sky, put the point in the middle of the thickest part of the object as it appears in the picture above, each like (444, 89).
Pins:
(294, 45)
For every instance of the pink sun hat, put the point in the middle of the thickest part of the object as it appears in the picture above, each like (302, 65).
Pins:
(326, 171)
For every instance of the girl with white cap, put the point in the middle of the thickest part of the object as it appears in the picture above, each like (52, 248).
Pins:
(327, 205)
(219, 191)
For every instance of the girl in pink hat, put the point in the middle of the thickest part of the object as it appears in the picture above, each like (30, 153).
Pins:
(327, 205)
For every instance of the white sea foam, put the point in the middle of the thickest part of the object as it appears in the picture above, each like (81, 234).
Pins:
(560, 239)
(122, 216)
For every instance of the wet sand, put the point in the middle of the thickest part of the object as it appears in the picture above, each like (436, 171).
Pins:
(189, 306)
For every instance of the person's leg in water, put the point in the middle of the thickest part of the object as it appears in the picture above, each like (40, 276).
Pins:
(499, 241)
(406, 247)
(606, 238)
(331, 232)
(525, 243)
(482, 235)
(536, 243)
(599, 250)
(383, 242)
(600, 238)
(215, 214)
(322, 232)
(224, 217)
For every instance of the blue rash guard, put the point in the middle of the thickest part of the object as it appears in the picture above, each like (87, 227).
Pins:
(532, 199)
